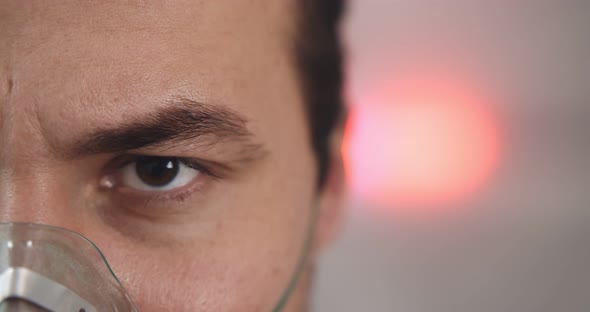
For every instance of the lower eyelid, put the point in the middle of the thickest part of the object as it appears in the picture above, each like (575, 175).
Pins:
(179, 194)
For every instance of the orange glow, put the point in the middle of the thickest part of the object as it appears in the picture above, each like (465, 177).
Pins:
(421, 142)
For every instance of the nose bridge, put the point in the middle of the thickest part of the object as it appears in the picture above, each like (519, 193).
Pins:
(30, 188)
(38, 194)
(16, 204)
(29, 198)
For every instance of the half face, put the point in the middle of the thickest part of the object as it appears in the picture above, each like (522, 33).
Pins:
(172, 135)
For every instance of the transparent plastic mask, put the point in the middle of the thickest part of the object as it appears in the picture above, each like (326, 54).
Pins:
(45, 268)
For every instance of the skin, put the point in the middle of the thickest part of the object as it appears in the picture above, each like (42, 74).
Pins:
(231, 242)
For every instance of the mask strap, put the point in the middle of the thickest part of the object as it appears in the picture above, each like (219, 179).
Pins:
(307, 244)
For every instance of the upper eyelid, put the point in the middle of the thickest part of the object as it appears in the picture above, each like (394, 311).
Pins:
(211, 169)
(120, 161)
(205, 167)
(196, 165)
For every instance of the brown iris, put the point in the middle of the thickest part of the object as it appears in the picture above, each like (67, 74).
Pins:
(157, 171)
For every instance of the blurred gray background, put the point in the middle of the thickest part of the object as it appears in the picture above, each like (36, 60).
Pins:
(521, 243)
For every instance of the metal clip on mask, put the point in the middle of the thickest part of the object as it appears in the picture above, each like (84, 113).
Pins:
(45, 268)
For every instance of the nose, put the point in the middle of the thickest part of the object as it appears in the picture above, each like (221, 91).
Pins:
(35, 197)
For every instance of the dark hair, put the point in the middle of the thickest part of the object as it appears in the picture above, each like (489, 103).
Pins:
(319, 59)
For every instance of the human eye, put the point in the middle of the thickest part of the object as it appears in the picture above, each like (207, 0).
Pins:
(152, 173)
(154, 176)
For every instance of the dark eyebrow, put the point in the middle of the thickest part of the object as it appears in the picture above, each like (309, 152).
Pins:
(180, 121)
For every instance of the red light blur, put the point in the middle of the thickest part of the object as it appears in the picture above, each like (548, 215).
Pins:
(420, 143)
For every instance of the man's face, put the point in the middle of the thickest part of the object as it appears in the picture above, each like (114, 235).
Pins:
(215, 218)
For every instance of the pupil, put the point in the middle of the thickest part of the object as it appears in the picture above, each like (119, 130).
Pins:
(157, 171)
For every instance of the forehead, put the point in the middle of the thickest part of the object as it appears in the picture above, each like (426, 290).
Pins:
(107, 60)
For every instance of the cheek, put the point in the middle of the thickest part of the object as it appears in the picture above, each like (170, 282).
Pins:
(249, 274)
(243, 262)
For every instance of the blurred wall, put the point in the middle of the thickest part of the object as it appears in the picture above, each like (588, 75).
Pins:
(519, 243)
